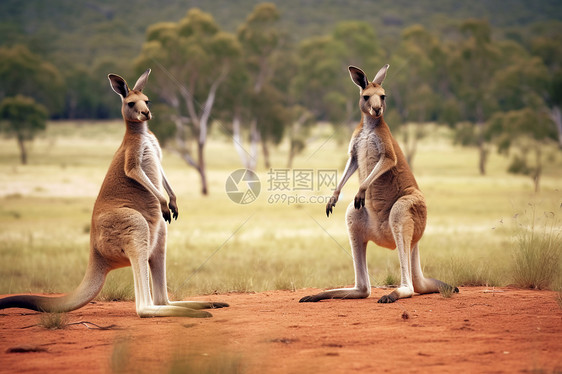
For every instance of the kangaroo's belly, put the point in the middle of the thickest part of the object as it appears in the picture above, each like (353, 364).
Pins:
(383, 191)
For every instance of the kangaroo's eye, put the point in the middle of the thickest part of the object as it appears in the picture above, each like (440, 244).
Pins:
(366, 98)
(383, 97)
(147, 102)
(131, 104)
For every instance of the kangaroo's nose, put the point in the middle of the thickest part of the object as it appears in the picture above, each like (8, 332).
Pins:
(378, 111)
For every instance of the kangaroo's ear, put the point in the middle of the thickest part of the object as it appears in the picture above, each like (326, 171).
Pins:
(142, 81)
(118, 85)
(379, 78)
(358, 77)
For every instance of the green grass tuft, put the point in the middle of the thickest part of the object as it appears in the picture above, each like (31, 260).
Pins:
(53, 321)
(390, 280)
(537, 256)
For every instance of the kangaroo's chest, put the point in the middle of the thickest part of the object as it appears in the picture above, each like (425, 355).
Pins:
(150, 161)
(370, 148)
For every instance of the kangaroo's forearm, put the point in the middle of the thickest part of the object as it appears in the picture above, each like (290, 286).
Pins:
(382, 166)
(140, 176)
(167, 187)
(350, 168)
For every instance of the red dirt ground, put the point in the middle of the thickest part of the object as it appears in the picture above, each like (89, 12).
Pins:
(479, 330)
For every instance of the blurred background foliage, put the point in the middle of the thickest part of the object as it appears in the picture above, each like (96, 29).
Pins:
(263, 72)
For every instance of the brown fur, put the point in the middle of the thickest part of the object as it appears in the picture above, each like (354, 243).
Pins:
(389, 208)
(128, 222)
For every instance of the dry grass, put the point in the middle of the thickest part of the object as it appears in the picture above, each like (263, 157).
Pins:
(219, 246)
(539, 252)
(53, 321)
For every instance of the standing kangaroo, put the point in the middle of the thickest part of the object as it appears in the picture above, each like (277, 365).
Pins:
(128, 222)
(389, 208)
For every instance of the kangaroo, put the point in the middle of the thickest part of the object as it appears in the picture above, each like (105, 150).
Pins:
(389, 208)
(128, 222)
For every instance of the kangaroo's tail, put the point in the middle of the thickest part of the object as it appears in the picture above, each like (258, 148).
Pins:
(90, 286)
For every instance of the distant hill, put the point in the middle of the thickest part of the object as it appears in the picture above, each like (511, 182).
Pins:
(81, 31)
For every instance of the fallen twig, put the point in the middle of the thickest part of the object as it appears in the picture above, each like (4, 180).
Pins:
(86, 324)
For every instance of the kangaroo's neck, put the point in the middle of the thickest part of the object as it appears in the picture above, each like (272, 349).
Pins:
(134, 128)
(370, 123)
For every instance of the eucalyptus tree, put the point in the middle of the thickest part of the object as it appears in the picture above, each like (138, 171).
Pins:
(22, 117)
(527, 130)
(25, 73)
(30, 89)
(192, 59)
(417, 85)
(548, 46)
(523, 122)
(472, 65)
(261, 41)
(359, 46)
(321, 82)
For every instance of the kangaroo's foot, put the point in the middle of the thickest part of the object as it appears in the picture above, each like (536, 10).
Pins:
(399, 293)
(430, 285)
(170, 311)
(341, 293)
(199, 304)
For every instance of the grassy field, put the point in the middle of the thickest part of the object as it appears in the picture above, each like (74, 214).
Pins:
(219, 246)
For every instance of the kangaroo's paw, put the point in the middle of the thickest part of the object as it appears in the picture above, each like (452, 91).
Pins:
(331, 204)
(359, 201)
(166, 213)
(174, 208)
(387, 299)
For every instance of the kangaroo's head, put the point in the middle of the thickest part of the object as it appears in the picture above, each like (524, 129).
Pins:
(135, 103)
(372, 100)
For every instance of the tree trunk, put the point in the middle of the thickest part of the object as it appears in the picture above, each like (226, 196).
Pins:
(265, 150)
(538, 168)
(202, 168)
(23, 150)
(483, 157)
(556, 115)
(482, 151)
(296, 129)
(200, 123)
(248, 159)
(237, 140)
(254, 140)
(291, 156)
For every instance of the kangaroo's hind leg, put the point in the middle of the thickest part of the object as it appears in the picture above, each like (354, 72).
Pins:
(422, 284)
(357, 228)
(401, 222)
(157, 264)
(130, 238)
